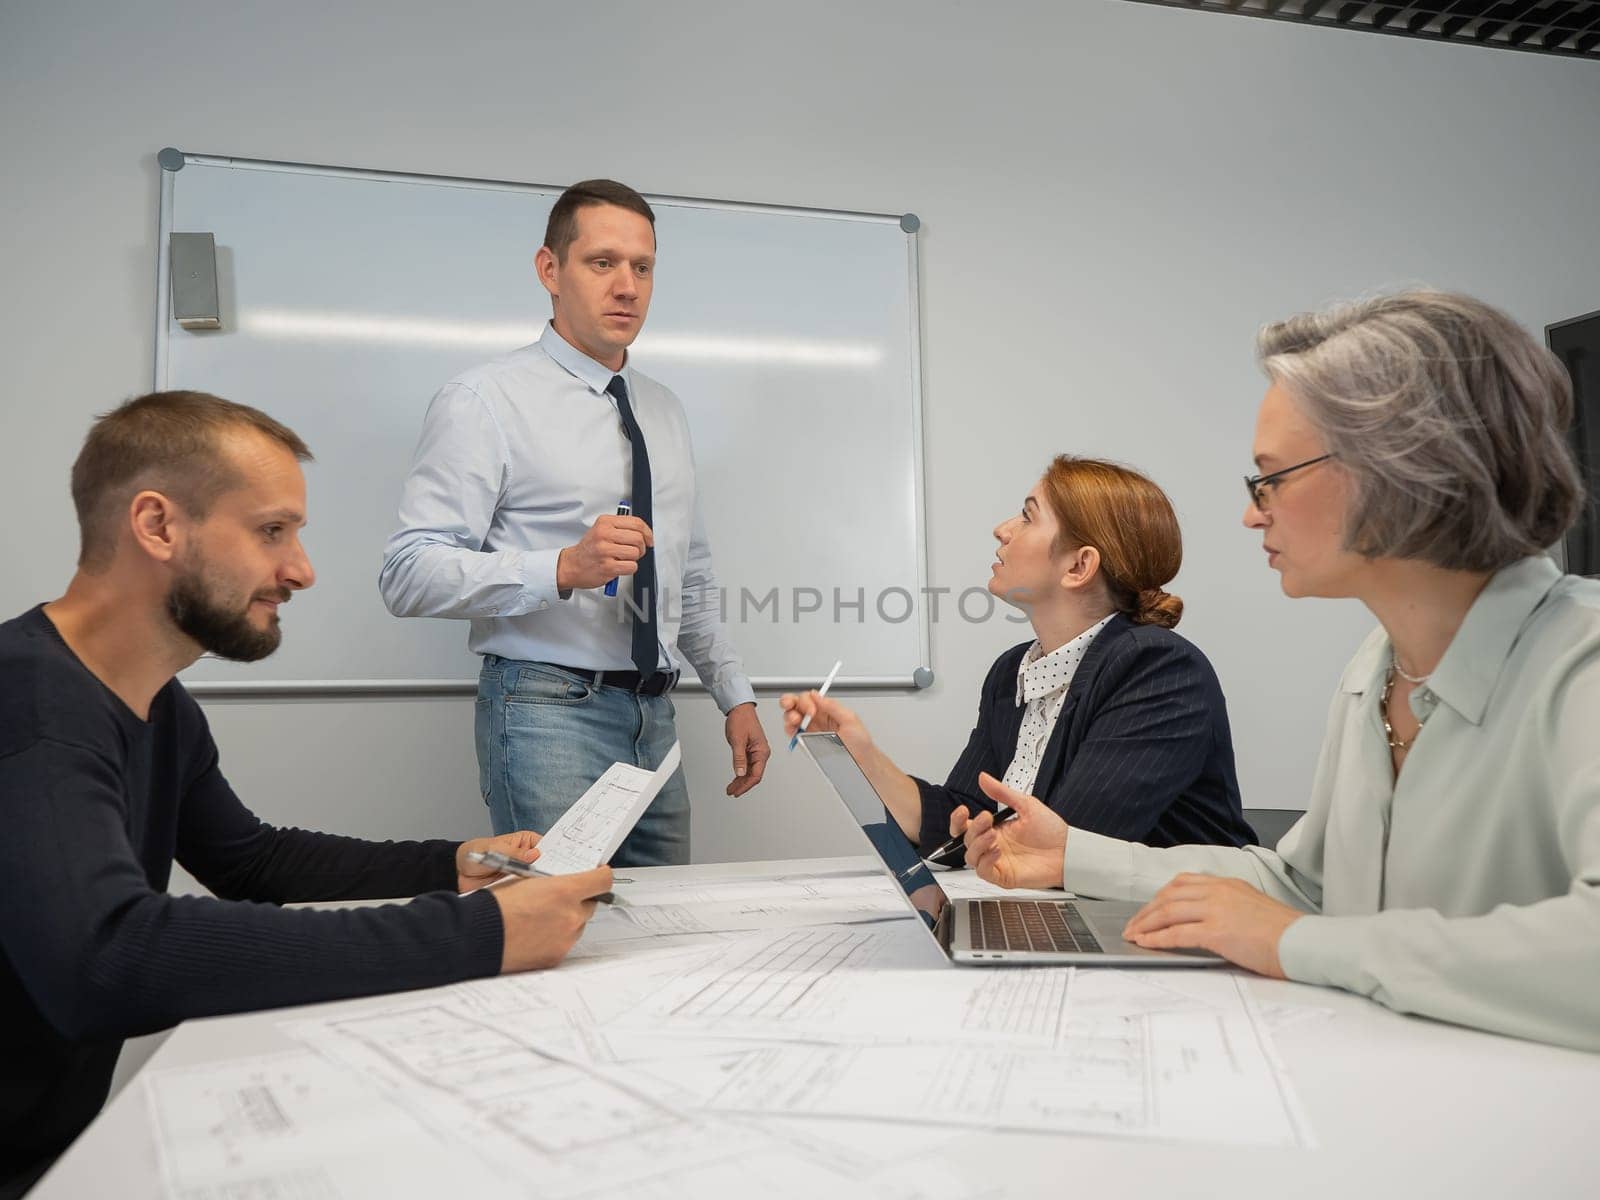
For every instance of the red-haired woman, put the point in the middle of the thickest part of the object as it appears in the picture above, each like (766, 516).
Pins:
(1108, 716)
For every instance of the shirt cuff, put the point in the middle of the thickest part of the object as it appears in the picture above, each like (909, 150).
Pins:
(539, 589)
(732, 692)
(1099, 866)
(1324, 950)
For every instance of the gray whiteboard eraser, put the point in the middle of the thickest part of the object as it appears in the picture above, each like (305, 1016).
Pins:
(922, 677)
(911, 222)
(170, 159)
(194, 281)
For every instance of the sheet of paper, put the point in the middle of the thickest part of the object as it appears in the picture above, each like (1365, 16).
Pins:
(817, 984)
(710, 912)
(292, 1126)
(589, 832)
(964, 884)
(714, 1062)
(1200, 1071)
(1283, 1017)
(790, 888)
(779, 909)
(480, 1079)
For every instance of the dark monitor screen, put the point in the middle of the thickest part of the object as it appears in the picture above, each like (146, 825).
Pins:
(1577, 344)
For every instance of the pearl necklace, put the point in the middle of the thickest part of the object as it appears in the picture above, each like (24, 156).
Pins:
(1394, 662)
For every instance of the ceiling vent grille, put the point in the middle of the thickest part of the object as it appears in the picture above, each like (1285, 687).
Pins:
(1570, 27)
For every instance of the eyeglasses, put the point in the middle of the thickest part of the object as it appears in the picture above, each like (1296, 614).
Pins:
(1258, 485)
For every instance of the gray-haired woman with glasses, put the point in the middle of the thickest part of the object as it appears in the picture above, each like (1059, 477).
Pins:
(1259, 487)
(1412, 455)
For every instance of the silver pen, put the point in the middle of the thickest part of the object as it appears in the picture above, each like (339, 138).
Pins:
(497, 861)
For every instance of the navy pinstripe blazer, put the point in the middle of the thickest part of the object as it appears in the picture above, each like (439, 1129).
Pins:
(1141, 750)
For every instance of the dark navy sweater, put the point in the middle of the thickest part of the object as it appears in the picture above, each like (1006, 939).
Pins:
(95, 805)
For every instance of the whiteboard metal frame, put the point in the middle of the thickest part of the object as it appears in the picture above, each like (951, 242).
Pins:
(313, 689)
(921, 677)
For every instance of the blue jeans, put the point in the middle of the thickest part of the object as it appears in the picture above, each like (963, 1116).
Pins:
(544, 735)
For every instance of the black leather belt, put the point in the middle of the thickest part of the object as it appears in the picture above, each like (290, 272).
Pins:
(658, 684)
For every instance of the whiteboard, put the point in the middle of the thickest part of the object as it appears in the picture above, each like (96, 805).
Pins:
(791, 335)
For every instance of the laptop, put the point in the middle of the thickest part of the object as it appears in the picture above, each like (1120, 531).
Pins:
(985, 932)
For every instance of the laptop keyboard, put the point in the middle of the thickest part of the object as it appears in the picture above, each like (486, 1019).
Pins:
(1030, 925)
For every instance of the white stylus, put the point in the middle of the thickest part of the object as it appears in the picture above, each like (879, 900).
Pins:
(821, 691)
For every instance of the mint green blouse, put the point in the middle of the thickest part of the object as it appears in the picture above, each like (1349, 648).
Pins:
(1468, 889)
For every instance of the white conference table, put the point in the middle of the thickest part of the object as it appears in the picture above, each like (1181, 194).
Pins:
(1397, 1106)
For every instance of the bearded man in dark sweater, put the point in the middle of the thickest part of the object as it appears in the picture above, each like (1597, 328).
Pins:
(190, 509)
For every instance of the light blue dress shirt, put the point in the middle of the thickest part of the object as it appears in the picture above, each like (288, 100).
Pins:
(518, 457)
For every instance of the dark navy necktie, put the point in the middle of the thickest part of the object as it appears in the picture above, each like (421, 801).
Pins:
(644, 581)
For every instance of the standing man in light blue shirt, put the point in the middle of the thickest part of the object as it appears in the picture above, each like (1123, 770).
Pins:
(509, 519)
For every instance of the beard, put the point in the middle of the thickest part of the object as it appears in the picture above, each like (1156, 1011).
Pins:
(219, 629)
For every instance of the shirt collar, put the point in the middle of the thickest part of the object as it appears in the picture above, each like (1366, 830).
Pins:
(1036, 679)
(1472, 663)
(593, 375)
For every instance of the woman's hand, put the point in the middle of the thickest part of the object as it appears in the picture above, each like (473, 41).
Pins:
(1225, 916)
(1025, 852)
(895, 788)
(827, 716)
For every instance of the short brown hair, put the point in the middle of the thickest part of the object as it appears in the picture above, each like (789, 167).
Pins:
(1130, 521)
(1450, 418)
(562, 228)
(170, 442)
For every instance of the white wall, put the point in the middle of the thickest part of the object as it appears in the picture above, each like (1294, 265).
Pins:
(1112, 204)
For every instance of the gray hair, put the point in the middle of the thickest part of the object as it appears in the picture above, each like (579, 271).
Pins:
(1449, 417)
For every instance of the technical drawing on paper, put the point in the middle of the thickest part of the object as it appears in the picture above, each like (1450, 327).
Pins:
(589, 832)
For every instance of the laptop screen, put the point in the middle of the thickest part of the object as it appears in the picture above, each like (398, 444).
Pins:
(883, 835)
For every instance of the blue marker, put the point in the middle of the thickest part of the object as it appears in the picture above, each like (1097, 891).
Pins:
(623, 509)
